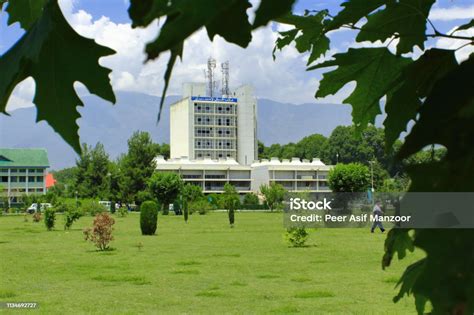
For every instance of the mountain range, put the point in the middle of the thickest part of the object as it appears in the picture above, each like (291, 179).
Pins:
(113, 125)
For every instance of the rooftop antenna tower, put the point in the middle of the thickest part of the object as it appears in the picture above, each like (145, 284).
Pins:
(211, 80)
(225, 79)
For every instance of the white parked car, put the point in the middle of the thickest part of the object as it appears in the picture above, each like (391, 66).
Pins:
(42, 206)
(105, 204)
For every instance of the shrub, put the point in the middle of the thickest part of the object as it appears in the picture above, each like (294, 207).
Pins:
(93, 208)
(250, 201)
(70, 217)
(49, 218)
(101, 232)
(64, 207)
(148, 217)
(200, 206)
(230, 201)
(37, 217)
(122, 211)
(296, 236)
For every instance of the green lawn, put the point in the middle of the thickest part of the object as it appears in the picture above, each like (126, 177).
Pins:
(200, 267)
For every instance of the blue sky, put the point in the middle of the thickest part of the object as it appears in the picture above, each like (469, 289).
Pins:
(283, 80)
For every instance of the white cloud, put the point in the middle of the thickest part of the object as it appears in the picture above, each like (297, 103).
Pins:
(284, 80)
(22, 95)
(452, 13)
(450, 43)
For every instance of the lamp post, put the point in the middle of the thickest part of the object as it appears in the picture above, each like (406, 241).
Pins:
(337, 158)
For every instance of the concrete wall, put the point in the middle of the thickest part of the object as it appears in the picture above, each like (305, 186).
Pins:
(181, 128)
(247, 148)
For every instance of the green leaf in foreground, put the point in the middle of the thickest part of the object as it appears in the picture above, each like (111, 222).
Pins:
(26, 12)
(447, 115)
(405, 19)
(270, 9)
(56, 57)
(415, 83)
(374, 70)
(353, 11)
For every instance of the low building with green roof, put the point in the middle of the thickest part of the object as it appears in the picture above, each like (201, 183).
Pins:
(23, 171)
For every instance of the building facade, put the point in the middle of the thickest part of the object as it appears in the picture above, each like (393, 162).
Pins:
(210, 175)
(294, 175)
(204, 127)
(23, 171)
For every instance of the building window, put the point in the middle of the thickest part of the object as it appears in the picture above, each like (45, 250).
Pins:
(39, 189)
(14, 179)
(39, 170)
(4, 179)
(39, 179)
(22, 170)
(22, 179)
(14, 170)
(31, 179)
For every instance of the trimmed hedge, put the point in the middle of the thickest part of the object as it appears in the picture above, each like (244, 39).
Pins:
(148, 217)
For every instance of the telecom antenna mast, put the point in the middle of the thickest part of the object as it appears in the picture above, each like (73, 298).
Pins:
(211, 81)
(225, 79)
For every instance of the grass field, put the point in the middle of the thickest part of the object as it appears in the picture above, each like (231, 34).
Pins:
(199, 267)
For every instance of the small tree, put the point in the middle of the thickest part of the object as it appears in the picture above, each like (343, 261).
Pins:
(165, 187)
(230, 201)
(49, 218)
(274, 194)
(190, 193)
(296, 236)
(70, 216)
(148, 217)
(101, 232)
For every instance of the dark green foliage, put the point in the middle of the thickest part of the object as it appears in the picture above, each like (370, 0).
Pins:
(49, 218)
(137, 166)
(148, 217)
(296, 236)
(92, 207)
(362, 65)
(23, 11)
(49, 46)
(91, 172)
(250, 200)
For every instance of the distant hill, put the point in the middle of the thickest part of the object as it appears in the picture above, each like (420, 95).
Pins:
(113, 125)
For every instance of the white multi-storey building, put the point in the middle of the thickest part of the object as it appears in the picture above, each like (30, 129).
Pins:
(213, 141)
(214, 127)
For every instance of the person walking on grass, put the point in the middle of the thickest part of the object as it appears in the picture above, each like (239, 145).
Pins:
(377, 212)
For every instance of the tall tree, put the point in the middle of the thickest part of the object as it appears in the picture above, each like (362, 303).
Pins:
(92, 172)
(137, 166)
